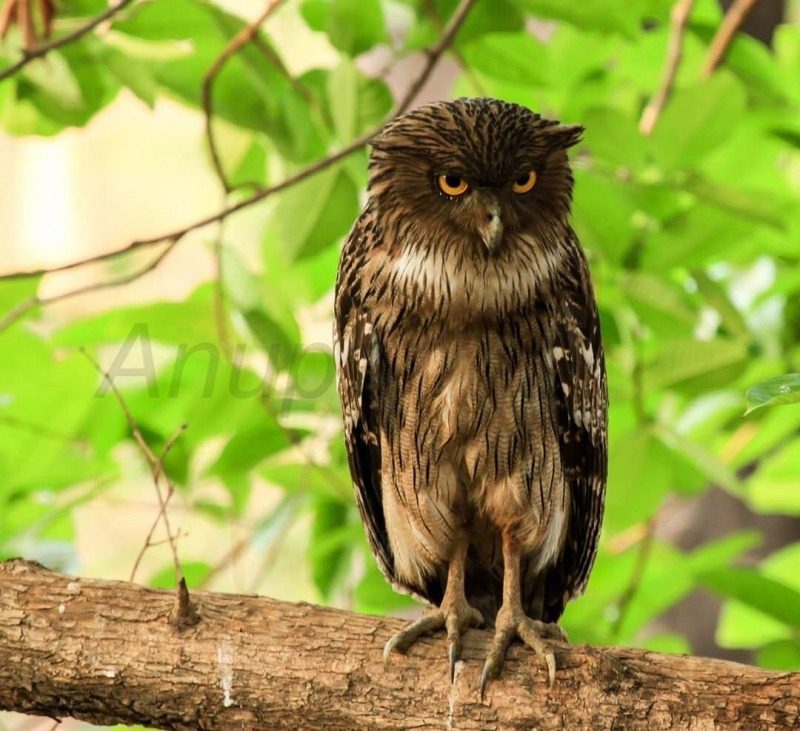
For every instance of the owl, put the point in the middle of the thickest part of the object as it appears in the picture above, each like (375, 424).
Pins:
(471, 374)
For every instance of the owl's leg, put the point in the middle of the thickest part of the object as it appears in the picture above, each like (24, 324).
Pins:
(512, 622)
(454, 614)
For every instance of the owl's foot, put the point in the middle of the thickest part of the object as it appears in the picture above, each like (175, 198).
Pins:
(511, 624)
(455, 616)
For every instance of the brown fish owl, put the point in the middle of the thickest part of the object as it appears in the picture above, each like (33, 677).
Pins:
(471, 373)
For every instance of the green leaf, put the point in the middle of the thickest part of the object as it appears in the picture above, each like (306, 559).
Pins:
(190, 321)
(696, 120)
(716, 296)
(751, 205)
(603, 215)
(251, 168)
(251, 91)
(673, 644)
(497, 16)
(130, 72)
(330, 542)
(45, 399)
(682, 361)
(771, 597)
(316, 213)
(194, 572)
(773, 487)
(352, 26)
(780, 655)
(742, 625)
(613, 137)
(515, 57)
(71, 98)
(14, 292)
(278, 342)
(700, 236)
(356, 102)
(640, 470)
(374, 595)
(602, 15)
(248, 448)
(660, 304)
(313, 381)
(776, 391)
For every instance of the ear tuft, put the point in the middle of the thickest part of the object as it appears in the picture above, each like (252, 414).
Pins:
(564, 136)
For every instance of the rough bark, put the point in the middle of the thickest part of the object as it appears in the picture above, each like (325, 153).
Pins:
(109, 652)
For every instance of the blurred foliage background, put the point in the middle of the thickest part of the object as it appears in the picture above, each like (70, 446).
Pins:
(220, 342)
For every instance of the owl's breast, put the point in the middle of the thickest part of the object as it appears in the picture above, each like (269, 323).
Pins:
(454, 280)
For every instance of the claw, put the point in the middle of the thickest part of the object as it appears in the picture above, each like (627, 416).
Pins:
(550, 659)
(388, 647)
(488, 672)
(453, 653)
(532, 634)
(455, 617)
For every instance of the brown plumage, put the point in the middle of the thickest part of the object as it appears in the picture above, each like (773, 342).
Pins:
(471, 372)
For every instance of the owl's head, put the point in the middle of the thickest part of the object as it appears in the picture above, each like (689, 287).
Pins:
(484, 167)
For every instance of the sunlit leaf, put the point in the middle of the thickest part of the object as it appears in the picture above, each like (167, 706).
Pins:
(776, 391)
(771, 597)
(696, 120)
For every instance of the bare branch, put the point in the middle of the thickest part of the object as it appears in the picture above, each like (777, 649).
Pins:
(148, 541)
(155, 464)
(45, 48)
(678, 19)
(32, 303)
(737, 12)
(242, 38)
(108, 652)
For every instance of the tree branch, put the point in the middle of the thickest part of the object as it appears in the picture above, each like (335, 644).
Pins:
(172, 238)
(242, 38)
(678, 19)
(106, 652)
(33, 303)
(737, 12)
(45, 48)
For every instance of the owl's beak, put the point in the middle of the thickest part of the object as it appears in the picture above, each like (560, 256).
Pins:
(491, 226)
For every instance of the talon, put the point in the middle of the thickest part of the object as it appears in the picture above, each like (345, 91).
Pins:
(488, 672)
(388, 647)
(454, 615)
(532, 633)
(453, 653)
(550, 659)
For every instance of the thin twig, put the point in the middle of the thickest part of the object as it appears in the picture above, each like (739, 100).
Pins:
(737, 12)
(241, 39)
(154, 463)
(433, 12)
(173, 237)
(148, 541)
(45, 48)
(36, 301)
(678, 20)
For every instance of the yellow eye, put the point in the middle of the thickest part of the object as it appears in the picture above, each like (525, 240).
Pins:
(524, 183)
(452, 184)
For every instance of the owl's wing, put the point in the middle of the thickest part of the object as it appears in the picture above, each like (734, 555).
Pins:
(582, 407)
(357, 351)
